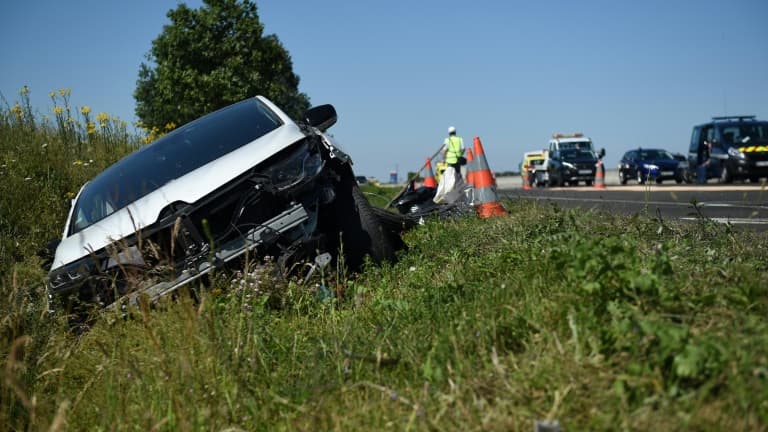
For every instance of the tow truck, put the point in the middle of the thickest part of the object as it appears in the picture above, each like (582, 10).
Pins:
(572, 159)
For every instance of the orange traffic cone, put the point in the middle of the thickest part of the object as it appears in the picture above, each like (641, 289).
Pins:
(485, 186)
(429, 181)
(470, 167)
(526, 179)
(599, 175)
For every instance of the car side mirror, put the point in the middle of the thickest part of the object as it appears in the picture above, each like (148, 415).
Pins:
(321, 116)
(602, 153)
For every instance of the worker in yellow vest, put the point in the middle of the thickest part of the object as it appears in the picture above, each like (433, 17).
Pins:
(453, 153)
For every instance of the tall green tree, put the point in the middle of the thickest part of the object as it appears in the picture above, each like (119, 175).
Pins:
(210, 57)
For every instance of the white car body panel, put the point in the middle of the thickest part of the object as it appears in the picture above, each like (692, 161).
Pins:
(189, 188)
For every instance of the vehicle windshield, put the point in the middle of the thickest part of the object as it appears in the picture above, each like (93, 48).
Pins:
(737, 134)
(170, 157)
(574, 153)
(655, 155)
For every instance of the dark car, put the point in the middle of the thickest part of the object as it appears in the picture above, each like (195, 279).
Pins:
(650, 165)
(739, 148)
(246, 179)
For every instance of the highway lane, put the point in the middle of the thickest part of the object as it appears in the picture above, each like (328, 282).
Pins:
(741, 205)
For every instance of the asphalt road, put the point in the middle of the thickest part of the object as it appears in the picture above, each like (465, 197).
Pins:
(741, 205)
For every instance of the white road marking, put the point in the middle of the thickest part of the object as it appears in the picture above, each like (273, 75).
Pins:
(732, 221)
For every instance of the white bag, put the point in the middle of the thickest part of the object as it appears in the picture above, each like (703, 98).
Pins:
(447, 182)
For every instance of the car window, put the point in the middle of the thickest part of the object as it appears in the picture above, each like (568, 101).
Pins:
(172, 156)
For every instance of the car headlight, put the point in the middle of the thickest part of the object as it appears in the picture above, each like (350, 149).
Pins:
(651, 167)
(72, 273)
(568, 165)
(735, 153)
(297, 167)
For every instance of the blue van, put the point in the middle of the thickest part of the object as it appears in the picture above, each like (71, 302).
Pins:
(738, 149)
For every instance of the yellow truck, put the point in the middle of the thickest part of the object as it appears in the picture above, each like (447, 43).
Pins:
(535, 164)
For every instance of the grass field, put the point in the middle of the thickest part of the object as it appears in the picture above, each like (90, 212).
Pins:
(600, 321)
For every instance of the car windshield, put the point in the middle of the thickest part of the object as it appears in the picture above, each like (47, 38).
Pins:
(574, 153)
(170, 157)
(655, 155)
(738, 133)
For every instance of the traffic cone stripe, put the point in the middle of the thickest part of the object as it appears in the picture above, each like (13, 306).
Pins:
(429, 181)
(483, 179)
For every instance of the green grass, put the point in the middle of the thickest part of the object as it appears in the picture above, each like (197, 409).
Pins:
(603, 322)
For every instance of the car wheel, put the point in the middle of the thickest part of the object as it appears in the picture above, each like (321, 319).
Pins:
(754, 179)
(622, 177)
(640, 179)
(725, 175)
(588, 182)
(659, 180)
(362, 233)
(678, 179)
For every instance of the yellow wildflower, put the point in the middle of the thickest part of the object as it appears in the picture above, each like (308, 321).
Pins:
(16, 109)
(77, 162)
(85, 110)
(102, 117)
(24, 90)
(170, 126)
(91, 128)
(58, 110)
(52, 95)
(70, 195)
(62, 91)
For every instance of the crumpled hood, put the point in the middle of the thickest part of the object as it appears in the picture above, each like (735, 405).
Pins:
(189, 188)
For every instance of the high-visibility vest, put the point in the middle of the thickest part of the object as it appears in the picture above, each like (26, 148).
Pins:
(455, 147)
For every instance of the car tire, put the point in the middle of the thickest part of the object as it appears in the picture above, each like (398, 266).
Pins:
(678, 179)
(362, 233)
(659, 180)
(640, 179)
(622, 177)
(588, 182)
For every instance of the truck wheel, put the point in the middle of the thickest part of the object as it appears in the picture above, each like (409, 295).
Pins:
(362, 233)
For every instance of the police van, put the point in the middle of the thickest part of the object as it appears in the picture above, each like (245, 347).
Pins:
(738, 148)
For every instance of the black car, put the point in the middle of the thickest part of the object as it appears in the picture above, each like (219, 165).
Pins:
(650, 165)
(730, 148)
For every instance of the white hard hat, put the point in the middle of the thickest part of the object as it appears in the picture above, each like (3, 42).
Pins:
(451, 130)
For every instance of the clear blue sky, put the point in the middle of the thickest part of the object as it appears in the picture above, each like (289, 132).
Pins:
(400, 72)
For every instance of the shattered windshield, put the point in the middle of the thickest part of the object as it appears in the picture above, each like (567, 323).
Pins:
(170, 157)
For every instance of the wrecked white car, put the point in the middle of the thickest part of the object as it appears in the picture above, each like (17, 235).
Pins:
(243, 179)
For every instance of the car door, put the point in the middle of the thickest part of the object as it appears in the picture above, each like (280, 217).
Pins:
(693, 149)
